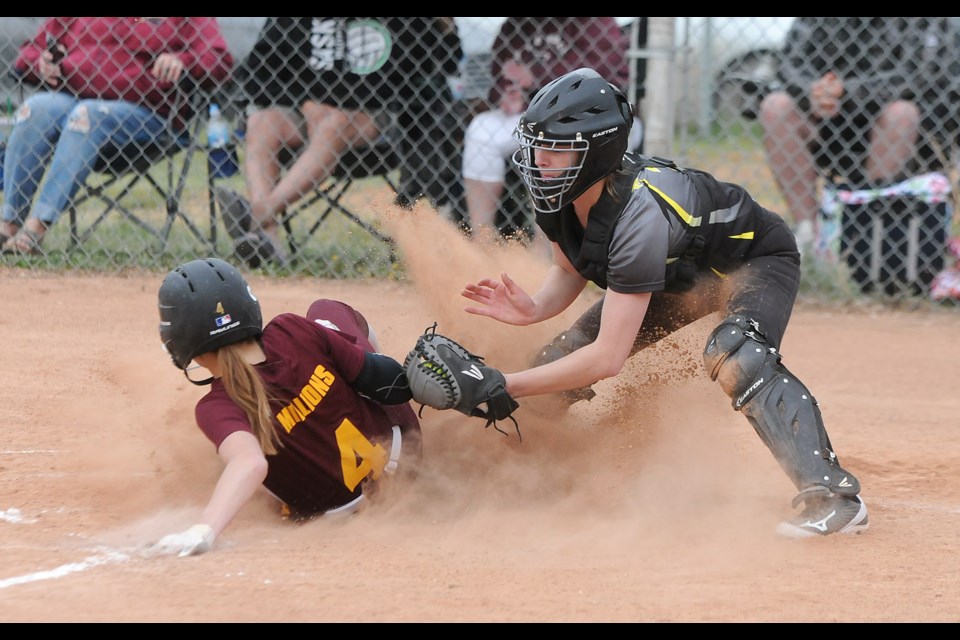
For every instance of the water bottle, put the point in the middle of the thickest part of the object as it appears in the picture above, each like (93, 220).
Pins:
(221, 150)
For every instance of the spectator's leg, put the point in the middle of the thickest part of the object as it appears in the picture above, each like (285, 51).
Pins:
(330, 131)
(90, 125)
(269, 131)
(31, 143)
(893, 141)
(787, 132)
(488, 144)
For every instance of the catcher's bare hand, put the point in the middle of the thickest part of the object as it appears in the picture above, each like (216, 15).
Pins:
(505, 301)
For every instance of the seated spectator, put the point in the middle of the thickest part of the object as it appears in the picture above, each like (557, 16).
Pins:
(108, 81)
(851, 106)
(528, 53)
(318, 86)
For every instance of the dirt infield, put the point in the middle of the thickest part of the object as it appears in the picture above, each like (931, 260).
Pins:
(658, 507)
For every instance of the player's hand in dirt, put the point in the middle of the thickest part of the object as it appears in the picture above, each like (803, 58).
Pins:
(196, 540)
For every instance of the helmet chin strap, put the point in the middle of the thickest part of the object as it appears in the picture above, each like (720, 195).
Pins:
(199, 383)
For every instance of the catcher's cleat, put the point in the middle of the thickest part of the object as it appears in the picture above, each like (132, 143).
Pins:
(825, 513)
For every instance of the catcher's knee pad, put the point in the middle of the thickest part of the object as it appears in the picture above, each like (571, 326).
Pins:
(778, 406)
(563, 345)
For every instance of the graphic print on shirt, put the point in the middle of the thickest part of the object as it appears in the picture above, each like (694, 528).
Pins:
(361, 46)
(307, 400)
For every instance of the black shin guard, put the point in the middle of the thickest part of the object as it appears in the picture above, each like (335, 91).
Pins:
(778, 406)
(565, 344)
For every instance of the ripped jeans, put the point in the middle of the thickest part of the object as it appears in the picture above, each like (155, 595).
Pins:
(72, 131)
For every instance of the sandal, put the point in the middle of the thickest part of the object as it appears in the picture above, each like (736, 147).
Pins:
(26, 242)
(4, 236)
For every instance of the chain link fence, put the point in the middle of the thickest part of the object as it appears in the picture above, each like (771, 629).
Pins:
(873, 205)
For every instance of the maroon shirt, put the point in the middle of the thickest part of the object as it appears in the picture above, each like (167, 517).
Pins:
(332, 437)
(553, 46)
(111, 58)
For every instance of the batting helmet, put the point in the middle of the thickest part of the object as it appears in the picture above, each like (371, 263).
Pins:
(578, 111)
(204, 305)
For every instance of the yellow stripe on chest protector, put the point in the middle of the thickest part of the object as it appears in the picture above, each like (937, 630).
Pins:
(686, 217)
(748, 235)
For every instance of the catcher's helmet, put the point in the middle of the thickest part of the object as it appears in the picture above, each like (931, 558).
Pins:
(579, 111)
(204, 305)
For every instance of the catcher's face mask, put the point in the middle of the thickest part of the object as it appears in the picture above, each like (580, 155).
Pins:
(580, 111)
(549, 168)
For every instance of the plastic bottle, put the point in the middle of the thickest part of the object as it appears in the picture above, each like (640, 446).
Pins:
(223, 161)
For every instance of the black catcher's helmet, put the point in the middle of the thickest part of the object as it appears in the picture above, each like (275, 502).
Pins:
(580, 111)
(204, 305)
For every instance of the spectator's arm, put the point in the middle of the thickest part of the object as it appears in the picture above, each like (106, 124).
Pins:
(207, 58)
(27, 64)
(798, 68)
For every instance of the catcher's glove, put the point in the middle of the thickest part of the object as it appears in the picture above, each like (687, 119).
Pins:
(444, 375)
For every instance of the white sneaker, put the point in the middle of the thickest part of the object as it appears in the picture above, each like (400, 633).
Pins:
(825, 515)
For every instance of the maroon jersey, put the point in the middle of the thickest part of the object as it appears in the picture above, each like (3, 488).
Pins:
(332, 437)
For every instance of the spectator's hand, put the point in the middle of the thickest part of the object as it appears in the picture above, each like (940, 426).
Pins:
(825, 96)
(167, 68)
(50, 71)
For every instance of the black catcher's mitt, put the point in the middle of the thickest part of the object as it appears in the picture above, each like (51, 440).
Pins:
(444, 375)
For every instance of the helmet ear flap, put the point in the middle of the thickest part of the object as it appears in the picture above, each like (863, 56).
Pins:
(626, 107)
(628, 110)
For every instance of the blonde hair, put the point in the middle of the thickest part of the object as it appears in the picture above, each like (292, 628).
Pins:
(244, 386)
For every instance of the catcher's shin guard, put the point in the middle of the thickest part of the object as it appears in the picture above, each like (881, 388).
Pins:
(781, 409)
(565, 344)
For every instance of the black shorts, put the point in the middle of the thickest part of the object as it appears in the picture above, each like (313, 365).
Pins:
(840, 150)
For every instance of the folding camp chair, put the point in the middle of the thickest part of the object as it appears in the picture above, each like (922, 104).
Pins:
(125, 167)
(414, 156)
(375, 160)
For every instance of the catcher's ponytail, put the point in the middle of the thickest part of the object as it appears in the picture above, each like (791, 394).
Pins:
(244, 386)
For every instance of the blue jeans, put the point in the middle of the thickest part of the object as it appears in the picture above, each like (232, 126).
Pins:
(72, 131)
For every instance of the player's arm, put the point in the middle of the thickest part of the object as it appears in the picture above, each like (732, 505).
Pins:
(560, 288)
(245, 468)
(622, 316)
(383, 379)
